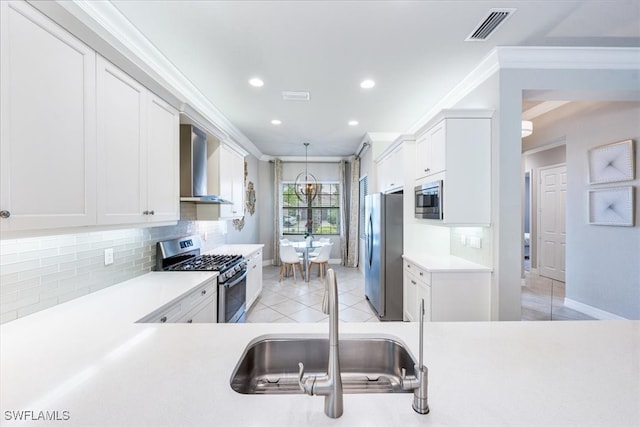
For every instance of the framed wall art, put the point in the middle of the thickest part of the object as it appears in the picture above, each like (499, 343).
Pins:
(612, 163)
(611, 206)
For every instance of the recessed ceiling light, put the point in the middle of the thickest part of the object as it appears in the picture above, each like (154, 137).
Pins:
(353, 123)
(256, 82)
(367, 84)
(276, 122)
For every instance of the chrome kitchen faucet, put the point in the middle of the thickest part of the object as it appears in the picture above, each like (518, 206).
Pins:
(329, 385)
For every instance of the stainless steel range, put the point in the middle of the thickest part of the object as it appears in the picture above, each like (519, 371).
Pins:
(183, 254)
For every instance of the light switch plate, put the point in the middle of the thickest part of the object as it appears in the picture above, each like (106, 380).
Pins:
(475, 242)
(108, 256)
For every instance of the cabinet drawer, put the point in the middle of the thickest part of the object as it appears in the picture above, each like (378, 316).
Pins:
(204, 312)
(196, 297)
(168, 314)
(418, 272)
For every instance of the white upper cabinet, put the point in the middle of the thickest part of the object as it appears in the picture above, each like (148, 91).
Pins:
(391, 168)
(163, 168)
(47, 127)
(137, 151)
(457, 150)
(122, 115)
(430, 152)
(231, 182)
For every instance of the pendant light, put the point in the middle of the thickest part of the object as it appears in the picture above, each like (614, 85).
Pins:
(306, 185)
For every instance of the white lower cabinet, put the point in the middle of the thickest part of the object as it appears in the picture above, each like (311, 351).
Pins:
(448, 296)
(199, 305)
(254, 277)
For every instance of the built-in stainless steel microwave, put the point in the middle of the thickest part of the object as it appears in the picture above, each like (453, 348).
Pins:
(429, 200)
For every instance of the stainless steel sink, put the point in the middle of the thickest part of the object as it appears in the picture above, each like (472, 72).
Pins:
(369, 364)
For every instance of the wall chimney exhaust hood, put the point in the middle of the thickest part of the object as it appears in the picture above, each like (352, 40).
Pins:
(193, 167)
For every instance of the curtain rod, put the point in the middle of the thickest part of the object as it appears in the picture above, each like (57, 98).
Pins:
(365, 145)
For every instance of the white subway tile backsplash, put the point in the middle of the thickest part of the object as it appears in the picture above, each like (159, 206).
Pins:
(39, 272)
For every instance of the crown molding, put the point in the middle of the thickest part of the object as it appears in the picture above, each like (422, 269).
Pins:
(108, 17)
(569, 58)
(485, 69)
(532, 57)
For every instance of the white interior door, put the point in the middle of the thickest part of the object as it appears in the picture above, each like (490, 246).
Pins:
(551, 222)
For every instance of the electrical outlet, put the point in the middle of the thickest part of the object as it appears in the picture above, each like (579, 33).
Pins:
(475, 242)
(108, 256)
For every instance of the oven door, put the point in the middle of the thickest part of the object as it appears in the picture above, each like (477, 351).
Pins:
(232, 296)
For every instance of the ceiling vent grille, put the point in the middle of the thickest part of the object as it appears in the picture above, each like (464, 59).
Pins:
(488, 25)
(289, 95)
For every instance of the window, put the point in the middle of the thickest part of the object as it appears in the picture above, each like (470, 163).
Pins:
(324, 211)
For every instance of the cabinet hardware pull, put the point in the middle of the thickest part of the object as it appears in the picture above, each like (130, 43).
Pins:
(414, 282)
(145, 213)
(427, 169)
(421, 273)
(152, 213)
(163, 319)
(204, 291)
(5, 214)
(254, 266)
(190, 321)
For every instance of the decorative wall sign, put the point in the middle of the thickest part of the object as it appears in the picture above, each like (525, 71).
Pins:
(251, 199)
(611, 206)
(612, 163)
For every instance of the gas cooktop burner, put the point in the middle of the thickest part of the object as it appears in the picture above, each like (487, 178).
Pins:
(208, 263)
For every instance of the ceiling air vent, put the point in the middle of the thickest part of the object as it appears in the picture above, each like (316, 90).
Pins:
(289, 95)
(489, 24)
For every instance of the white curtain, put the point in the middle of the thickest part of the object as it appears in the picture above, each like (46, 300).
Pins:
(354, 214)
(277, 209)
(343, 216)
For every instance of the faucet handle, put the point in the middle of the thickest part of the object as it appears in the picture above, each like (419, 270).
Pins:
(303, 382)
(300, 375)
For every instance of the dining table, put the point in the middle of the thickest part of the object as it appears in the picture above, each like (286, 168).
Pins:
(304, 246)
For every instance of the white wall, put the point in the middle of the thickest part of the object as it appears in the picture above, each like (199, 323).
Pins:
(585, 84)
(603, 262)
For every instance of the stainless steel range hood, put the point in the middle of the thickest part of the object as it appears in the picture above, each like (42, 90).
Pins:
(193, 167)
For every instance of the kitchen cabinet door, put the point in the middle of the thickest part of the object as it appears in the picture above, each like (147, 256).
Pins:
(410, 296)
(430, 152)
(254, 277)
(231, 182)
(122, 126)
(390, 170)
(47, 125)
(163, 191)
(138, 136)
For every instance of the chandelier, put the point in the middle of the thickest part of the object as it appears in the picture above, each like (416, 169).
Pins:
(306, 186)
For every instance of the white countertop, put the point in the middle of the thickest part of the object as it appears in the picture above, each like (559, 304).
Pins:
(444, 264)
(89, 358)
(244, 250)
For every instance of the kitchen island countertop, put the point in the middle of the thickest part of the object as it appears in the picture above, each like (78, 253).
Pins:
(89, 358)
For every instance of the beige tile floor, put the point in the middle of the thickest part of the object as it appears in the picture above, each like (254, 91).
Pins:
(543, 299)
(301, 302)
(286, 301)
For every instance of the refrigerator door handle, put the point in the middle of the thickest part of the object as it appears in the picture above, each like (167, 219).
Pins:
(370, 241)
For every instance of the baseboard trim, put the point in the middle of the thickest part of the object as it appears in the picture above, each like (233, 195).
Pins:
(591, 311)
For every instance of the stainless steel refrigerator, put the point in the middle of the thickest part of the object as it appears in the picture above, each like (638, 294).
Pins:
(383, 254)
